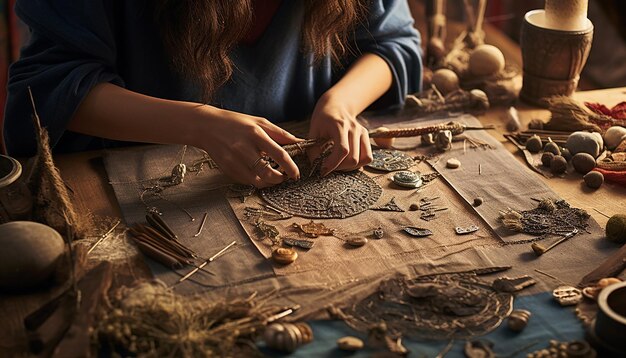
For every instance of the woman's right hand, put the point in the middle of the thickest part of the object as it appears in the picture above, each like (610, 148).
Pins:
(237, 143)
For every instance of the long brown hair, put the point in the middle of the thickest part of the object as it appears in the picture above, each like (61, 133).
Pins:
(199, 34)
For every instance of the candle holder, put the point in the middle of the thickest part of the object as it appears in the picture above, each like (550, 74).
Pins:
(553, 59)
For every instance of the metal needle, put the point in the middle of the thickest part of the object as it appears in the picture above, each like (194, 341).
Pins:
(205, 262)
(104, 236)
(202, 224)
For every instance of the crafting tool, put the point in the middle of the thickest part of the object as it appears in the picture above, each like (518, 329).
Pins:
(211, 259)
(527, 155)
(455, 127)
(540, 249)
(103, 236)
(202, 224)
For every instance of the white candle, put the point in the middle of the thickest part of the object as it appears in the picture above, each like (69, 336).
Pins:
(568, 15)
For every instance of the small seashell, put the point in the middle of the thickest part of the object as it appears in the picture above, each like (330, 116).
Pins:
(518, 320)
(284, 255)
(533, 144)
(427, 139)
(593, 179)
(453, 163)
(407, 179)
(287, 337)
(546, 159)
(379, 233)
(357, 241)
(443, 140)
(477, 201)
(350, 343)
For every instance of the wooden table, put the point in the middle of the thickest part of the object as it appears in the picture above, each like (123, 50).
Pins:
(85, 174)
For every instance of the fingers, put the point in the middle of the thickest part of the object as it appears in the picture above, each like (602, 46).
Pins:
(341, 149)
(276, 133)
(279, 155)
(351, 161)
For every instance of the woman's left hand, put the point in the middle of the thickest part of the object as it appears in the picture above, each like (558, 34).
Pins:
(333, 120)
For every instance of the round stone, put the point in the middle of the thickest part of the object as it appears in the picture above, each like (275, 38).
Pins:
(533, 144)
(349, 343)
(445, 80)
(427, 139)
(283, 255)
(585, 142)
(566, 154)
(614, 136)
(486, 60)
(616, 228)
(558, 165)
(593, 179)
(443, 140)
(414, 207)
(453, 163)
(583, 163)
(553, 148)
(478, 201)
(407, 179)
(357, 241)
(29, 255)
(546, 159)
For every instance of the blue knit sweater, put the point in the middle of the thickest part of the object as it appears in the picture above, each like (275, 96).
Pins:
(77, 44)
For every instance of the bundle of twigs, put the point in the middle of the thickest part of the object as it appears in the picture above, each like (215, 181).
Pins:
(152, 321)
(455, 127)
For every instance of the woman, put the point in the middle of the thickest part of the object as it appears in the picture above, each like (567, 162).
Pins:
(140, 71)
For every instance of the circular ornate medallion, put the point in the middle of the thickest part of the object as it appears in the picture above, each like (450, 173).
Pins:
(338, 195)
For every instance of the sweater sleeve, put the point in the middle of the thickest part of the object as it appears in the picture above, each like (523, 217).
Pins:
(72, 48)
(389, 33)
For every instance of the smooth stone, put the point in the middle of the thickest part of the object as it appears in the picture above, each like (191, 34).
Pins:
(29, 255)
(357, 241)
(585, 142)
(594, 179)
(453, 163)
(552, 147)
(486, 60)
(533, 144)
(546, 159)
(385, 143)
(583, 163)
(350, 343)
(284, 255)
(558, 165)
(478, 202)
(614, 136)
(414, 207)
(445, 80)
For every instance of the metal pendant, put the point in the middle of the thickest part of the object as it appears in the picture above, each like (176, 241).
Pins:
(466, 230)
(417, 231)
(302, 243)
(567, 295)
(313, 229)
(390, 160)
(407, 179)
(390, 206)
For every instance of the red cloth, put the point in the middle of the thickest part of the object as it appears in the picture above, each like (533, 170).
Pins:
(618, 177)
(618, 111)
(264, 11)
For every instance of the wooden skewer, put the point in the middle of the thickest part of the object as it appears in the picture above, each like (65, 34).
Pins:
(156, 224)
(103, 236)
(158, 255)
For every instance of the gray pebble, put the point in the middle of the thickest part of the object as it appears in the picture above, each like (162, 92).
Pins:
(558, 165)
(585, 142)
(546, 159)
(453, 163)
(566, 154)
(583, 163)
(594, 180)
(533, 144)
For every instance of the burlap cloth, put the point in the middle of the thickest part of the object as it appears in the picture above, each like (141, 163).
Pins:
(330, 272)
